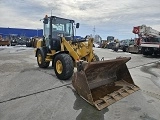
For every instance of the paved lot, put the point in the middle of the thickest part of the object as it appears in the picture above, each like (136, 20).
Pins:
(30, 93)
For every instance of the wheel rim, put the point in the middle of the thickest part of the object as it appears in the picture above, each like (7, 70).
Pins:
(39, 58)
(59, 67)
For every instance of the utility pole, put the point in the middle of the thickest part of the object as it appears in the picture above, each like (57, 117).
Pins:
(51, 11)
(37, 32)
(94, 30)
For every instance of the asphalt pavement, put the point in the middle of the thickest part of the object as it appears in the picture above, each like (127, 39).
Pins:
(28, 92)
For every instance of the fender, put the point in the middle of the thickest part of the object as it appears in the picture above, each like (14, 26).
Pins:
(43, 50)
(59, 52)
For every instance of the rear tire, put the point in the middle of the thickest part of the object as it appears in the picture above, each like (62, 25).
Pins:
(127, 49)
(63, 66)
(116, 47)
(124, 49)
(27, 45)
(41, 60)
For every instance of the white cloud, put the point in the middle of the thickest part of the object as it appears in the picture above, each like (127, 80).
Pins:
(108, 16)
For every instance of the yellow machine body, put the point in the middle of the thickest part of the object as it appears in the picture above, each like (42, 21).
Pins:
(78, 51)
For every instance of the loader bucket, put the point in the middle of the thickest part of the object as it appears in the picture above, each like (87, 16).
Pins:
(102, 83)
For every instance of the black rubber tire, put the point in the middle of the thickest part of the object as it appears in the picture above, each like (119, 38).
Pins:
(127, 49)
(116, 49)
(156, 53)
(150, 52)
(124, 49)
(27, 44)
(147, 53)
(68, 66)
(43, 64)
(96, 58)
(144, 52)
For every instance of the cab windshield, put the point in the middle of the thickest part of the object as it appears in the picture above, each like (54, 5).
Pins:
(62, 27)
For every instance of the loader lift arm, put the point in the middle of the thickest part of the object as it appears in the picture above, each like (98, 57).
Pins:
(78, 50)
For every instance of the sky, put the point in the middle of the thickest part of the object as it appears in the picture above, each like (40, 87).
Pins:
(109, 17)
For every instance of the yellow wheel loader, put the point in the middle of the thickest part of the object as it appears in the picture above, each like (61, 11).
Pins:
(101, 83)
(60, 46)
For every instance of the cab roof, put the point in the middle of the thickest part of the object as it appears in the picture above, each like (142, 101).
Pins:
(61, 18)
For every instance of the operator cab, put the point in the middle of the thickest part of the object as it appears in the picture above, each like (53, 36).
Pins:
(62, 27)
(55, 28)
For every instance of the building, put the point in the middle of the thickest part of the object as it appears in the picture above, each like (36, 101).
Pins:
(97, 38)
(21, 32)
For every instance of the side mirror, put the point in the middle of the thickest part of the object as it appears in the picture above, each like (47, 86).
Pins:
(77, 25)
(45, 20)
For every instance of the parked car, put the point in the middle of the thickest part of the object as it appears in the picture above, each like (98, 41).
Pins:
(21, 41)
(13, 39)
(29, 42)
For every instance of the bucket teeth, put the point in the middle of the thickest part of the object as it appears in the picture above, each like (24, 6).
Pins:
(112, 98)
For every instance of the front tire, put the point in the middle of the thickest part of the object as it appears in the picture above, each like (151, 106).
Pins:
(124, 49)
(95, 58)
(116, 47)
(41, 60)
(63, 66)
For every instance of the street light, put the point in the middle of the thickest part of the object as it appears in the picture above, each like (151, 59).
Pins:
(37, 32)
